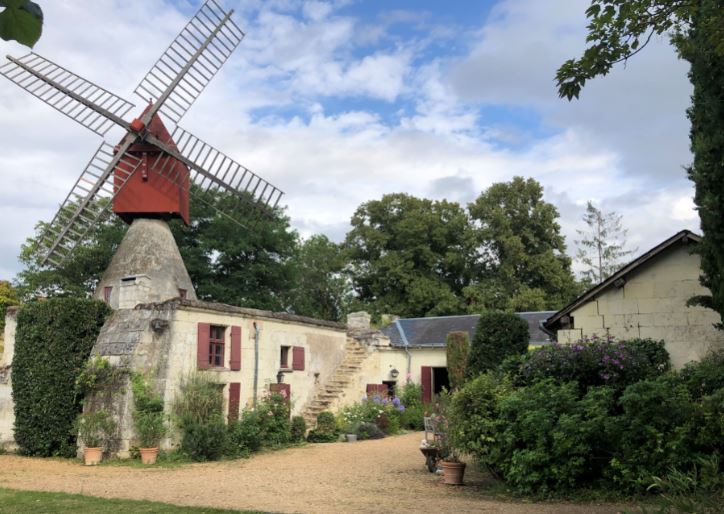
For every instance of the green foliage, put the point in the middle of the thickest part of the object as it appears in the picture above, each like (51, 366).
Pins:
(497, 336)
(52, 343)
(369, 431)
(522, 254)
(8, 297)
(21, 21)
(200, 399)
(198, 409)
(298, 429)
(326, 431)
(322, 290)
(602, 247)
(94, 429)
(98, 374)
(245, 435)
(411, 397)
(410, 256)
(553, 436)
(205, 441)
(274, 423)
(457, 348)
(266, 427)
(148, 417)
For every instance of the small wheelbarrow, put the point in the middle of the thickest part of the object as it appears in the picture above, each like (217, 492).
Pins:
(432, 456)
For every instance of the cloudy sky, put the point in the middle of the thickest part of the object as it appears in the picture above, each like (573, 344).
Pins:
(343, 101)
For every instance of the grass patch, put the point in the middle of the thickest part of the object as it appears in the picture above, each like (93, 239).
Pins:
(21, 502)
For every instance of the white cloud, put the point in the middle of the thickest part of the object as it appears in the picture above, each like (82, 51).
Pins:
(622, 144)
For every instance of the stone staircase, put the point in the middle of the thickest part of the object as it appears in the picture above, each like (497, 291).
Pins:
(331, 391)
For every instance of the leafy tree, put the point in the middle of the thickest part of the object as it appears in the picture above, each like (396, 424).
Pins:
(410, 256)
(247, 265)
(521, 250)
(21, 21)
(322, 290)
(602, 246)
(618, 29)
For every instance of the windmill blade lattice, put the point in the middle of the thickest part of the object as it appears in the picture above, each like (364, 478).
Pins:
(88, 202)
(213, 36)
(211, 169)
(67, 92)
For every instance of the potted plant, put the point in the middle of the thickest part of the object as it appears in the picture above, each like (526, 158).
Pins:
(94, 430)
(148, 419)
(453, 469)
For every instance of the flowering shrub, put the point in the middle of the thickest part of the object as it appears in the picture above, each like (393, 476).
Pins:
(596, 361)
(383, 412)
(411, 398)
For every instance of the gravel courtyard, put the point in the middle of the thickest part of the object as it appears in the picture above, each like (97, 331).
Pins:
(386, 475)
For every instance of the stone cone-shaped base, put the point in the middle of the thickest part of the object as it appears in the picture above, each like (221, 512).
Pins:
(146, 268)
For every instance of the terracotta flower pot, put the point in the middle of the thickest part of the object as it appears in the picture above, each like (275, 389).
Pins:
(149, 455)
(92, 456)
(453, 472)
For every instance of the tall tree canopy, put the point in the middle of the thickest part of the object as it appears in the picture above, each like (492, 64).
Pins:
(522, 260)
(602, 247)
(322, 289)
(618, 29)
(410, 256)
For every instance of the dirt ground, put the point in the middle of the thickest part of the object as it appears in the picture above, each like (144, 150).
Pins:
(386, 475)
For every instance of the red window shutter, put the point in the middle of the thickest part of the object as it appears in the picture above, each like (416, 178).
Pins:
(426, 372)
(298, 358)
(283, 389)
(202, 346)
(371, 389)
(234, 396)
(235, 359)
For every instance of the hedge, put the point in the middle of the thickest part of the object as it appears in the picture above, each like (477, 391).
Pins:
(52, 343)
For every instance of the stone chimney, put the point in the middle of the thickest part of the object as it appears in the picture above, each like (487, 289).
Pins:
(358, 321)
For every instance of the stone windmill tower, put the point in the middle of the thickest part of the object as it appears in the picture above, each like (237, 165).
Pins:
(145, 178)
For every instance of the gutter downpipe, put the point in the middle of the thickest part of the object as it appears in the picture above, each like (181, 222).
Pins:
(257, 332)
(407, 351)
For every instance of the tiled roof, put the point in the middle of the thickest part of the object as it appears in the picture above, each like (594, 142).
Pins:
(432, 332)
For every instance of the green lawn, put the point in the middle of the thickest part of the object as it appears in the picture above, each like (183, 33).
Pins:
(15, 502)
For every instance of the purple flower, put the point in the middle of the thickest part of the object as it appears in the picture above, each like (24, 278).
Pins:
(396, 401)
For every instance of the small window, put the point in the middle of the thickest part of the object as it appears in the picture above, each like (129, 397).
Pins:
(216, 346)
(107, 294)
(284, 357)
(182, 293)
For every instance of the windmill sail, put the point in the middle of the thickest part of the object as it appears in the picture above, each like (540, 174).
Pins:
(88, 104)
(191, 61)
(88, 202)
(211, 169)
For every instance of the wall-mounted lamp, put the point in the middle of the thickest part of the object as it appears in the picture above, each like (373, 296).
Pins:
(394, 373)
(280, 377)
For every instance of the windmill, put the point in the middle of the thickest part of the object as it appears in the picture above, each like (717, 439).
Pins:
(147, 175)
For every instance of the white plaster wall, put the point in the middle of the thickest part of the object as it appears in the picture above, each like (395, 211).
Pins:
(324, 350)
(652, 304)
(7, 414)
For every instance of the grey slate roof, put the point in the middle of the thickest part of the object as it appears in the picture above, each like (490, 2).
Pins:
(432, 332)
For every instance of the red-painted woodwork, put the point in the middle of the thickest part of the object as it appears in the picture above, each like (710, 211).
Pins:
(202, 346)
(283, 389)
(235, 358)
(298, 358)
(234, 396)
(377, 389)
(426, 379)
(154, 190)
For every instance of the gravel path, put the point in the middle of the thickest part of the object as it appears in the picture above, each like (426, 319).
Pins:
(386, 475)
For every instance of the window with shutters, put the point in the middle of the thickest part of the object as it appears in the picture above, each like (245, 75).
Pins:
(284, 357)
(216, 346)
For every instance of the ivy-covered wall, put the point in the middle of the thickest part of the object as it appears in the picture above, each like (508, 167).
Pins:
(52, 343)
